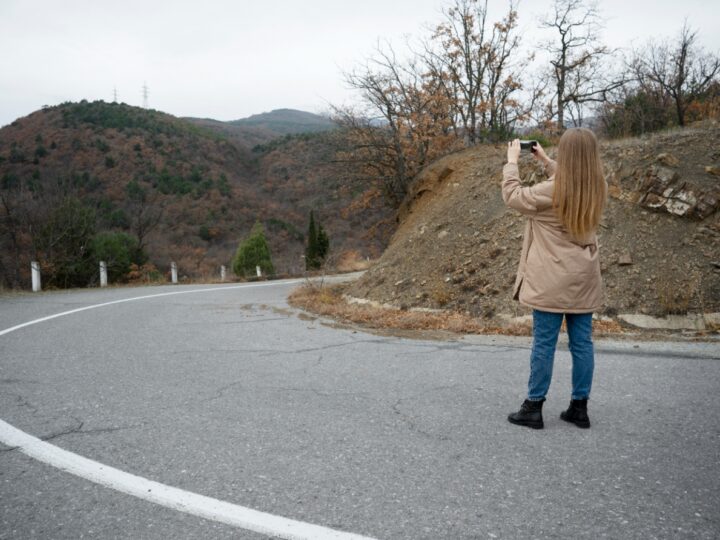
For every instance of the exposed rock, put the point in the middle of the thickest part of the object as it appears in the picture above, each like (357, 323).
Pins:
(713, 169)
(663, 191)
(625, 259)
(666, 158)
(707, 203)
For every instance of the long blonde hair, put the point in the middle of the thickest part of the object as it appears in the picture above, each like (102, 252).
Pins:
(580, 188)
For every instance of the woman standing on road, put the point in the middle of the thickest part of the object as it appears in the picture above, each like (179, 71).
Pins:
(559, 271)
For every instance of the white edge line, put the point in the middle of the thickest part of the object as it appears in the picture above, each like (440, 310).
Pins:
(219, 288)
(170, 497)
(149, 490)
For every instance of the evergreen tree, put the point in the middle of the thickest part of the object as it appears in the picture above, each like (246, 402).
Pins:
(323, 243)
(312, 259)
(252, 252)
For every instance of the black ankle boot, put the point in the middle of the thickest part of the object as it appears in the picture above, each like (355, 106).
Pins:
(530, 415)
(577, 413)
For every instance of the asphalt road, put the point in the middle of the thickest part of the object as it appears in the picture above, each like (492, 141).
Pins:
(230, 394)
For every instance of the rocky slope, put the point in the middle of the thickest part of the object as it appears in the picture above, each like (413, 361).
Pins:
(457, 246)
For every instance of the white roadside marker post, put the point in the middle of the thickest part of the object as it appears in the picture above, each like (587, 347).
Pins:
(103, 274)
(259, 272)
(222, 273)
(35, 270)
(173, 271)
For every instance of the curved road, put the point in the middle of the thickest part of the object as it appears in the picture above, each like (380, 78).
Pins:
(228, 395)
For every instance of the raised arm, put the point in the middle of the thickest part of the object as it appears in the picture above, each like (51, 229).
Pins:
(540, 155)
(526, 200)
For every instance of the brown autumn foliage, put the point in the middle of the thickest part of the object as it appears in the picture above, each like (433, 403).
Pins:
(462, 89)
(187, 194)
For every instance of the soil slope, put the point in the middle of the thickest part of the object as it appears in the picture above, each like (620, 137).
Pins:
(457, 245)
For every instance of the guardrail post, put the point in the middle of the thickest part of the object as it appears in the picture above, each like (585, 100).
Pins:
(35, 270)
(103, 274)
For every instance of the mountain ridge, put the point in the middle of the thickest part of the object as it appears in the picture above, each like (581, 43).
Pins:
(208, 185)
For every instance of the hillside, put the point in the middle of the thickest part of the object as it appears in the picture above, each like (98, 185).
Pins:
(286, 122)
(246, 136)
(457, 246)
(203, 188)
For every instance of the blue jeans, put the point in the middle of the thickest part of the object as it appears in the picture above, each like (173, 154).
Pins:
(546, 328)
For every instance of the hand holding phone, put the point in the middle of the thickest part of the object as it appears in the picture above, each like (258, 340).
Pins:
(528, 145)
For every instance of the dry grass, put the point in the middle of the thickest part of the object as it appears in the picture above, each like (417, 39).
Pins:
(328, 301)
(604, 327)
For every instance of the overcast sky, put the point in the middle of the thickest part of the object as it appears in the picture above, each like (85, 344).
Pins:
(230, 59)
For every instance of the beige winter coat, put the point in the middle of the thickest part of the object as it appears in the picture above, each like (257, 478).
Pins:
(556, 273)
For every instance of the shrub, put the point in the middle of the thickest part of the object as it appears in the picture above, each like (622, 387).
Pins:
(252, 252)
(119, 250)
(63, 243)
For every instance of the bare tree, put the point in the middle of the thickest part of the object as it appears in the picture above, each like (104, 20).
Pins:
(465, 84)
(577, 59)
(681, 69)
(404, 124)
(477, 68)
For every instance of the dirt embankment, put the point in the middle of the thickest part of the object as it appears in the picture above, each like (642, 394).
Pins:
(457, 245)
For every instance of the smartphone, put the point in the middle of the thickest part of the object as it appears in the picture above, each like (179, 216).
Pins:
(528, 145)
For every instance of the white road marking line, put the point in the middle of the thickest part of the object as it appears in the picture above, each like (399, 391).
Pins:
(171, 497)
(219, 288)
(149, 490)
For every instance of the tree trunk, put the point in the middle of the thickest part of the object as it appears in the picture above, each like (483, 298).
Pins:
(680, 111)
(561, 109)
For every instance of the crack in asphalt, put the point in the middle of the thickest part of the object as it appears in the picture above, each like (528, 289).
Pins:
(219, 393)
(410, 422)
(333, 346)
(412, 426)
(22, 401)
(76, 429)
(67, 431)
